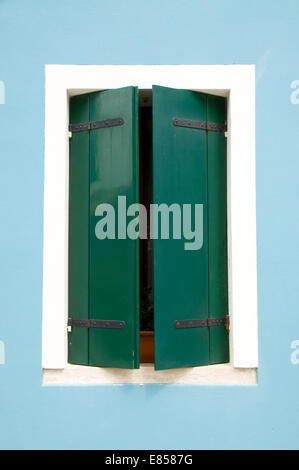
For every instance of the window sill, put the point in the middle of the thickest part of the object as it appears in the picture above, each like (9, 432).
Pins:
(220, 374)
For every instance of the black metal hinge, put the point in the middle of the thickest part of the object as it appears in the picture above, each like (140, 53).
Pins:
(112, 324)
(90, 126)
(203, 323)
(201, 125)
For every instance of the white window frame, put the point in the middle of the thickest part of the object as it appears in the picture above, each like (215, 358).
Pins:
(237, 83)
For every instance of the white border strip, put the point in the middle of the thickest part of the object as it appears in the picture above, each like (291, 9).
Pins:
(237, 82)
(219, 374)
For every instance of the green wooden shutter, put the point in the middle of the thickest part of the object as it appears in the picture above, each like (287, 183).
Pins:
(105, 164)
(79, 231)
(217, 227)
(190, 168)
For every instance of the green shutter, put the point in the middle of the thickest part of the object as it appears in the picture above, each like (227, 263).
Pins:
(112, 265)
(79, 230)
(190, 168)
(217, 225)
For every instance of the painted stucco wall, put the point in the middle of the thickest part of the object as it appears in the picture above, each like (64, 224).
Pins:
(33, 33)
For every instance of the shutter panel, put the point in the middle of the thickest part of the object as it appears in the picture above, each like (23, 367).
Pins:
(114, 264)
(113, 270)
(79, 230)
(217, 223)
(188, 285)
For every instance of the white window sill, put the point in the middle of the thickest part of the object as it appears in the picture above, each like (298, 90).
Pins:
(220, 374)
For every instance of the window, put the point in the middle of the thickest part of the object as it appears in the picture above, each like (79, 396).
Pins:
(236, 84)
(184, 279)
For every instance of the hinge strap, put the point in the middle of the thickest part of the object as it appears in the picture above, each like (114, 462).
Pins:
(112, 324)
(90, 126)
(202, 323)
(201, 125)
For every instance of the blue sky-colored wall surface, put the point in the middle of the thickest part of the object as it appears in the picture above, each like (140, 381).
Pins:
(33, 33)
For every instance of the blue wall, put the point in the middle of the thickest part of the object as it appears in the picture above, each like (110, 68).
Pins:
(33, 33)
